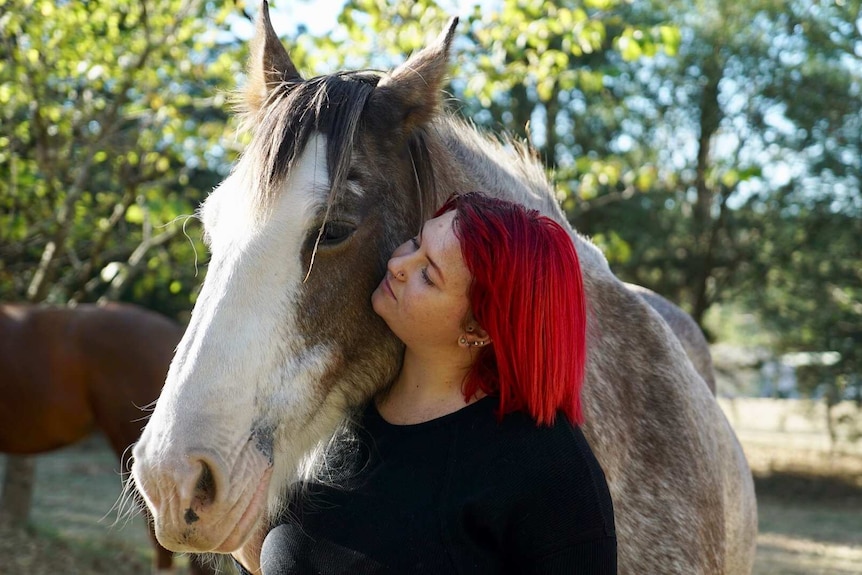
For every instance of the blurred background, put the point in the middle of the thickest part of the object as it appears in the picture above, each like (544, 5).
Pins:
(713, 150)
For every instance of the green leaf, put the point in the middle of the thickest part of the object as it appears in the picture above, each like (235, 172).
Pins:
(135, 215)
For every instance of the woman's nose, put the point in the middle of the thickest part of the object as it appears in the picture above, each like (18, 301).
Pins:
(393, 268)
(397, 267)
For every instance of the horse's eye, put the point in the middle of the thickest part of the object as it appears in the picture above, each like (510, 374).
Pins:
(335, 232)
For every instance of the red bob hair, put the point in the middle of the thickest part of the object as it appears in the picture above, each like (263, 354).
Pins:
(527, 293)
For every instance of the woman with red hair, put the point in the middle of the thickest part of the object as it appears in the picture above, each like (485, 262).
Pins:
(472, 461)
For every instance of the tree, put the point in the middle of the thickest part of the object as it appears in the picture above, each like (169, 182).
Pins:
(757, 125)
(109, 134)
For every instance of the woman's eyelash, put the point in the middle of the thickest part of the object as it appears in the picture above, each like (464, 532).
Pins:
(426, 278)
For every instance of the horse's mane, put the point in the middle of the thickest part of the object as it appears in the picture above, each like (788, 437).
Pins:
(506, 165)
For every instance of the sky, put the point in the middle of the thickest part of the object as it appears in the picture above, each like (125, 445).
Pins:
(320, 16)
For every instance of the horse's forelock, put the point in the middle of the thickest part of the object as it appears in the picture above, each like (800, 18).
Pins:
(330, 105)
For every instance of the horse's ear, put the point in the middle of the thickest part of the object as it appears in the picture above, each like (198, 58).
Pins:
(412, 90)
(269, 65)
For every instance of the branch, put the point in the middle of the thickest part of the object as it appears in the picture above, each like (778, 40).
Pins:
(601, 201)
(41, 280)
(136, 262)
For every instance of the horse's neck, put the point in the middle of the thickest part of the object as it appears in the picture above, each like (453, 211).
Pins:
(464, 160)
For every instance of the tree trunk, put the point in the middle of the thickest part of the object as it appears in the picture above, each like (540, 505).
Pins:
(522, 111)
(704, 228)
(552, 110)
(18, 488)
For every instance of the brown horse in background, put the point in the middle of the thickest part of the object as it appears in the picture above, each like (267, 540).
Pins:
(66, 372)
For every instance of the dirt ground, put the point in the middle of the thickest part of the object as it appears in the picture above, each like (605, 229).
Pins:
(809, 503)
(39, 553)
(807, 530)
(70, 530)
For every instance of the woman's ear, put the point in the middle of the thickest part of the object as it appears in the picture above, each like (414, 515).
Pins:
(474, 335)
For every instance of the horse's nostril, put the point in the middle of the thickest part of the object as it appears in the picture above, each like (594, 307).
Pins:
(205, 489)
(190, 516)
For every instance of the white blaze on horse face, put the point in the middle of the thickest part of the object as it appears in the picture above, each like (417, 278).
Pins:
(243, 374)
(243, 326)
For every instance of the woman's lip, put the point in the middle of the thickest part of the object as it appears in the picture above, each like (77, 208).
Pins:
(389, 288)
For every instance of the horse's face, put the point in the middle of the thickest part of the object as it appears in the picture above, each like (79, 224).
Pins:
(283, 340)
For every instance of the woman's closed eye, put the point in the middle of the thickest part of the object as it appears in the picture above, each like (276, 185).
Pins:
(425, 277)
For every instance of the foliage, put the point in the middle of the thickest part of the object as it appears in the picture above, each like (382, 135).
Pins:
(804, 278)
(756, 125)
(110, 116)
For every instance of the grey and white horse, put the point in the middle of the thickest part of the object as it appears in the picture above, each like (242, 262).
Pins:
(283, 343)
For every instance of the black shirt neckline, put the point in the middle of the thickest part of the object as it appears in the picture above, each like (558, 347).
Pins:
(372, 417)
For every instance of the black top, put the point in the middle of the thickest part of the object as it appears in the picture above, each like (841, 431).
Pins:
(463, 493)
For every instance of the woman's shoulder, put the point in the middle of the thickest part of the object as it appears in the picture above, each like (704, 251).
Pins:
(546, 479)
(515, 444)
(518, 433)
